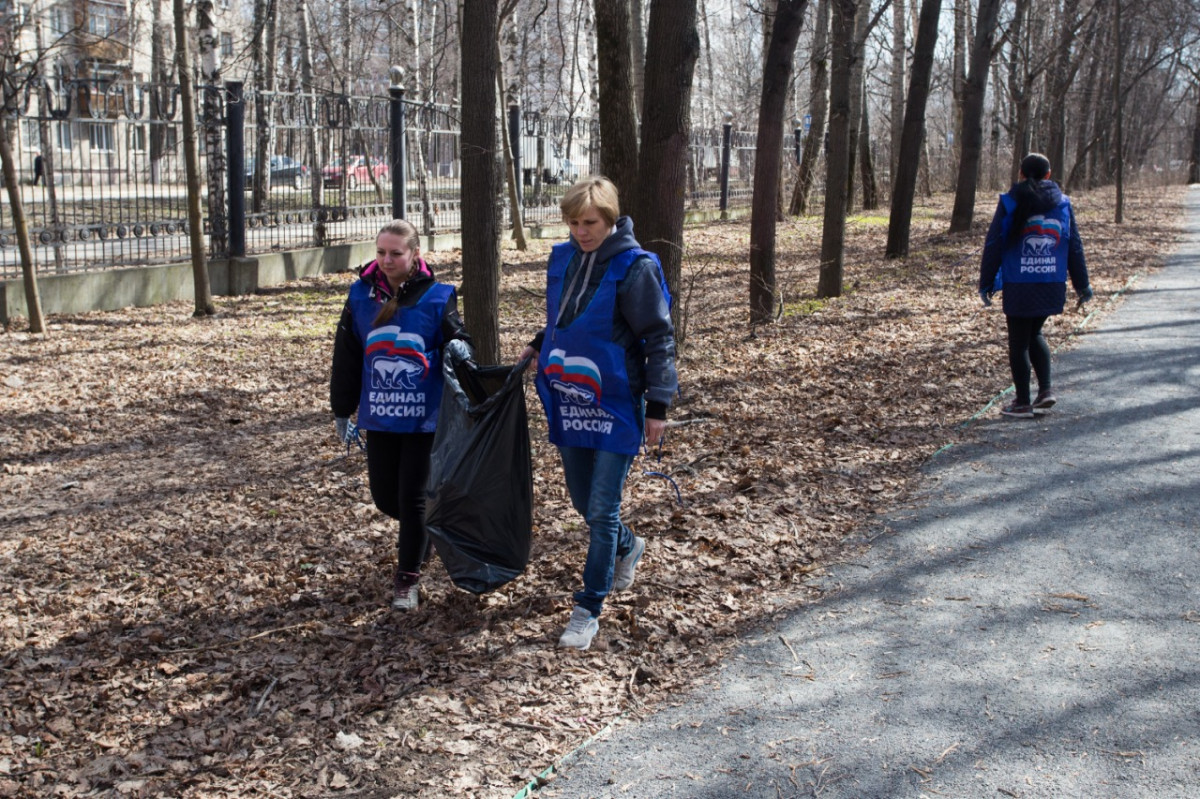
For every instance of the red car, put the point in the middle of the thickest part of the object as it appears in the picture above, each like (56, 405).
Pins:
(356, 174)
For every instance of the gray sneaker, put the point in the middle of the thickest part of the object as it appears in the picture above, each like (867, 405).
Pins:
(623, 573)
(581, 629)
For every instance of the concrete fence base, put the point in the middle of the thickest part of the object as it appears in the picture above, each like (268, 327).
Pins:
(140, 286)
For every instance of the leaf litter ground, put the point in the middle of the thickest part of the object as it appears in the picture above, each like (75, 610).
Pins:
(197, 581)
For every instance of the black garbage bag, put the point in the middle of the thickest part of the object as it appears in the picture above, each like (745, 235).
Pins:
(479, 496)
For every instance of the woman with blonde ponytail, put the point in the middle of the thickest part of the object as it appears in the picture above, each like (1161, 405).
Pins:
(387, 367)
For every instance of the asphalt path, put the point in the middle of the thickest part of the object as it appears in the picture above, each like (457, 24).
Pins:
(1028, 627)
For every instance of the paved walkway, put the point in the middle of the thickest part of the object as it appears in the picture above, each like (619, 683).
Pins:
(1029, 628)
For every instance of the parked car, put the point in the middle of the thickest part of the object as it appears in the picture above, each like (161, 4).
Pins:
(357, 172)
(284, 172)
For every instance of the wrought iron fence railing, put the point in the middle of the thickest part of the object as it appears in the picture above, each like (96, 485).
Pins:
(301, 170)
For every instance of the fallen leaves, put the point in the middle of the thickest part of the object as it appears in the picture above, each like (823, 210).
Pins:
(197, 578)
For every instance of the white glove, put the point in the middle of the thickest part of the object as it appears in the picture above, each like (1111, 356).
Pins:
(345, 429)
(458, 350)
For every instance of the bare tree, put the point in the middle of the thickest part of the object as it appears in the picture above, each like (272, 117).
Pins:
(833, 231)
(777, 77)
(672, 47)
(866, 161)
(819, 67)
(212, 114)
(971, 132)
(509, 95)
(19, 73)
(201, 287)
(1194, 157)
(480, 212)
(263, 44)
(899, 76)
(905, 185)
(308, 87)
(1118, 114)
(33, 300)
(618, 117)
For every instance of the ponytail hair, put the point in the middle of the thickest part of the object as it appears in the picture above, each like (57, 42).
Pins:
(1028, 193)
(412, 240)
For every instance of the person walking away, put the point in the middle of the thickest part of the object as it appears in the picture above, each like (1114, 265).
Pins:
(387, 367)
(606, 377)
(1032, 246)
(39, 169)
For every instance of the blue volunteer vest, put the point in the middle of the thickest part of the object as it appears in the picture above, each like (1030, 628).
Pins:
(402, 361)
(581, 377)
(1040, 253)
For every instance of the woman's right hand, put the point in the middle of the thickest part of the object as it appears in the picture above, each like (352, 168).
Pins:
(528, 353)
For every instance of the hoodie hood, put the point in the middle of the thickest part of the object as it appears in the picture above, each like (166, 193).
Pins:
(372, 274)
(619, 240)
(1037, 196)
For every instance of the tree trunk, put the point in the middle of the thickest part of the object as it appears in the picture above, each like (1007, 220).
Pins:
(266, 18)
(862, 18)
(480, 217)
(818, 109)
(672, 48)
(1018, 86)
(833, 233)
(161, 35)
(1118, 152)
(307, 87)
(866, 161)
(212, 116)
(202, 288)
(1194, 161)
(638, 43)
(777, 78)
(1060, 81)
(904, 189)
(971, 134)
(959, 67)
(899, 74)
(33, 299)
(618, 117)
(507, 100)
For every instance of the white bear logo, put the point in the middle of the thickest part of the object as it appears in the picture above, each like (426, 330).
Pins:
(1040, 245)
(394, 373)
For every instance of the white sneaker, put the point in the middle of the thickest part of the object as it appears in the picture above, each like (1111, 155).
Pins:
(623, 573)
(581, 629)
(404, 591)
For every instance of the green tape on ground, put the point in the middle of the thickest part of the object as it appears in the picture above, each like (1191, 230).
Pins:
(535, 784)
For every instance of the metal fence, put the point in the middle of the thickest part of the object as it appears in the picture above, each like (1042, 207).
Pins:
(299, 170)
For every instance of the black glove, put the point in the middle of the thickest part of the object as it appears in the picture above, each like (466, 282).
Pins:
(1086, 295)
(985, 296)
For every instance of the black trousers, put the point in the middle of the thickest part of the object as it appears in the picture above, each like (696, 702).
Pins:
(1027, 348)
(397, 467)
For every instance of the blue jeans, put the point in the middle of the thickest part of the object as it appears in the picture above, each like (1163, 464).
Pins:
(595, 480)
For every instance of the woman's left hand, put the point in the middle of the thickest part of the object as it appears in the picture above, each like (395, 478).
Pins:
(655, 428)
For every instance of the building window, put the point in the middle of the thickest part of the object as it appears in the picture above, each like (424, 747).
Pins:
(137, 138)
(63, 135)
(30, 137)
(60, 21)
(226, 45)
(105, 20)
(100, 136)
